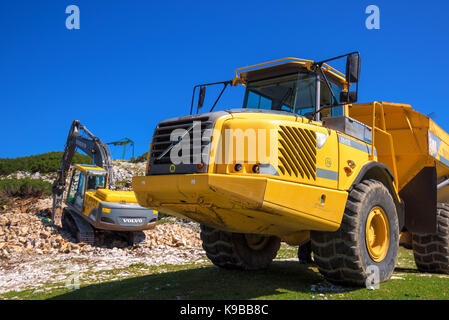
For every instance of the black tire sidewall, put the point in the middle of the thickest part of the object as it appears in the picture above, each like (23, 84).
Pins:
(379, 197)
(255, 259)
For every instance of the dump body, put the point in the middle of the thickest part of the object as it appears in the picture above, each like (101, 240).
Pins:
(416, 150)
(418, 142)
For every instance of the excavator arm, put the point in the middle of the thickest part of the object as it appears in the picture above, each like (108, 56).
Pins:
(93, 147)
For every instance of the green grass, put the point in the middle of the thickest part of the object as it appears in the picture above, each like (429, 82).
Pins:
(282, 280)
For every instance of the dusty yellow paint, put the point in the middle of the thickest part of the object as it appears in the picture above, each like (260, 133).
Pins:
(242, 203)
(308, 185)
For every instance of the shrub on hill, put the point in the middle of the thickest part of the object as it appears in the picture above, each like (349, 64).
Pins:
(24, 188)
(141, 158)
(43, 163)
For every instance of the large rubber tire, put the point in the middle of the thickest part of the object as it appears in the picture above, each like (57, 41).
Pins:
(431, 251)
(231, 250)
(342, 256)
(305, 253)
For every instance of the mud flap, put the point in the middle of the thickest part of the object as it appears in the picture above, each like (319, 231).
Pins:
(420, 198)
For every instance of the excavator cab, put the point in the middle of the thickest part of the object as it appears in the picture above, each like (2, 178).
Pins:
(85, 178)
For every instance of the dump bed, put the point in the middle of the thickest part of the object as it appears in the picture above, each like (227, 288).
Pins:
(420, 146)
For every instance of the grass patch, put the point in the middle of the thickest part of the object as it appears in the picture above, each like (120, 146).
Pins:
(283, 280)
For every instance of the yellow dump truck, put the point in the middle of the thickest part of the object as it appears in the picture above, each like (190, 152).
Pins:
(299, 162)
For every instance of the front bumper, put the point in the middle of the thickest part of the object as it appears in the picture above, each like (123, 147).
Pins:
(244, 204)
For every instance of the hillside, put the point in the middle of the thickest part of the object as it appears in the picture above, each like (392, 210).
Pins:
(44, 167)
(42, 163)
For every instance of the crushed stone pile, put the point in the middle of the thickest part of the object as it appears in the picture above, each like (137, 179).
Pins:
(123, 171)
(25, 229)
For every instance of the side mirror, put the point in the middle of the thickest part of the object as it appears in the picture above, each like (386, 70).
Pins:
(353, 64)
(201, 97)
(348, 97)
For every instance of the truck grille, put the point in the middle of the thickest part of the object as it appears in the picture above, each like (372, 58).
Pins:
(161, 139)
(297, 152)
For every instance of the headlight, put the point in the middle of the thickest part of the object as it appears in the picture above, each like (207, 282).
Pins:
(321, 139)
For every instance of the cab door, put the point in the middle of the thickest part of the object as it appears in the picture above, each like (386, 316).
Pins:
(75, 196)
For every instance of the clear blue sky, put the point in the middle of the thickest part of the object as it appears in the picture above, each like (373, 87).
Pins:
(134, 63)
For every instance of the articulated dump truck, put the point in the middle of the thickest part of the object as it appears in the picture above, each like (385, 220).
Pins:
(302, 163)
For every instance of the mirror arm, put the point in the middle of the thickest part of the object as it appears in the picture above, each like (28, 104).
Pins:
(328, 85)
(193, 98)
(205, 85)
(225, 84)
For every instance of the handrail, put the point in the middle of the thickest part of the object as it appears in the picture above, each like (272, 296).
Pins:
(304, 61)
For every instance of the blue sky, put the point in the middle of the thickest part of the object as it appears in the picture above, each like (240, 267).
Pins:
(134, 63)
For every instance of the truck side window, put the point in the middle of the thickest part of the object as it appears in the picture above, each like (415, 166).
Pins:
(326, 99)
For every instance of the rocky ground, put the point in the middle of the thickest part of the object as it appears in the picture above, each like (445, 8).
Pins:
(123, 171)
(34, 252)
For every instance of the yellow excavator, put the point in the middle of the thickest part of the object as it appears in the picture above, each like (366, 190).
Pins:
(91, 205)
(301, 162)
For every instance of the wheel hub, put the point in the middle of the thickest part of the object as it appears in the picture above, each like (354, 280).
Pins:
(377, 234)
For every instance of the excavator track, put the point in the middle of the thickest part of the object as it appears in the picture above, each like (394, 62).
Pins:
(79, 228)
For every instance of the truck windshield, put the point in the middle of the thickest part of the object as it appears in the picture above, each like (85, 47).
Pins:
(292, 93)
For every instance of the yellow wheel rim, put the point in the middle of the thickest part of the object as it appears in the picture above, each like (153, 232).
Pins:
(377, 234)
